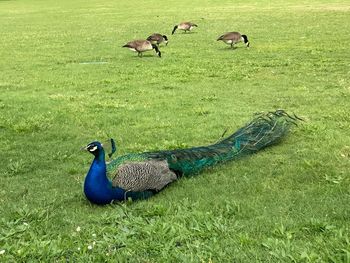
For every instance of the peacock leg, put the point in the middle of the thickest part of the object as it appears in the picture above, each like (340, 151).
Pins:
(125, 198)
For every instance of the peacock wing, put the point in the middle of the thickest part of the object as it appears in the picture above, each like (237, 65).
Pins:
(142, 176)
(113, 165)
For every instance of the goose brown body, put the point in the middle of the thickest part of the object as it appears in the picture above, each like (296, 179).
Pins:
(157, 38)
(186, 26)
(233, 38)
(141, 46)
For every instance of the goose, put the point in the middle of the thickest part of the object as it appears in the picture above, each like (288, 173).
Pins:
(157, 39)
(232, 38)
(141, 46)
(186, 26)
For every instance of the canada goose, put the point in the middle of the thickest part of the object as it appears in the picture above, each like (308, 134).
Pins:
(186, 26)
(232, 38)
(140, 46)
(158, 39)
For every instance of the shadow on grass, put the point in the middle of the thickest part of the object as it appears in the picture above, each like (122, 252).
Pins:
(183, 33)
(146, 56)
(232, 49)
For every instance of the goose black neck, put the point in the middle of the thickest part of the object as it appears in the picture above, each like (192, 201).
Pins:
(155, 47)
(175, 27)
(245, 38)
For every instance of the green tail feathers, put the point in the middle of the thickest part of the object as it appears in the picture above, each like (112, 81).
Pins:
(264, 130)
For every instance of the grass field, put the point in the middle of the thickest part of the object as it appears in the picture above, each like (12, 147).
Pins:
(288, 203)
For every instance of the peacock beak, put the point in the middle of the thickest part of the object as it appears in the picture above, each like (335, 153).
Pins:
(83, 148)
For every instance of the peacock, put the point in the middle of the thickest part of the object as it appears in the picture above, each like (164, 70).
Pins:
(141, 175)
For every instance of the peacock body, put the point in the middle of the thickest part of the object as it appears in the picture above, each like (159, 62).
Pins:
(140, 175)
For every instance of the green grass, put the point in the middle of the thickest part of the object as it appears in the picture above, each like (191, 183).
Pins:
(288, 203)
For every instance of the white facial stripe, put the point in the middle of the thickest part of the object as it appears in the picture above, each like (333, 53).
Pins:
(93, 149)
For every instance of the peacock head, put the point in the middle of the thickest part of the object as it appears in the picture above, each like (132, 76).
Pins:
(96, 148)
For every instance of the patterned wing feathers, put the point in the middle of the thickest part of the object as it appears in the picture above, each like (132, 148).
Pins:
(142, 176)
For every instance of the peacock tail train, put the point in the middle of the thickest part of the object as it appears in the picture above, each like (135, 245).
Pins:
(264, 130)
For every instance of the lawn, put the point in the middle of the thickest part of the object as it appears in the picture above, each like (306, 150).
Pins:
(65, 81)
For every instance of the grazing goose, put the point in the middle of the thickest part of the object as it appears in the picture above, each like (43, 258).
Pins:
(186, 26)
(232, 38)
(157, 39)
(140, 46)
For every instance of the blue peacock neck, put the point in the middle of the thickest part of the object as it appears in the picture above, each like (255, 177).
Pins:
(97, 187)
